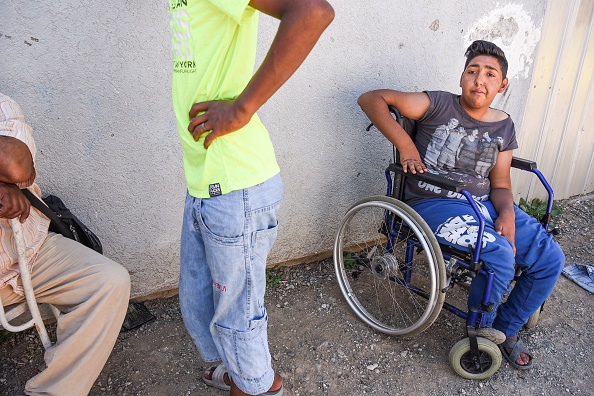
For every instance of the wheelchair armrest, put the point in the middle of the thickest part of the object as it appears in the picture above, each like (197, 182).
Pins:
(436, 180)
(523, 164)
(530, 166)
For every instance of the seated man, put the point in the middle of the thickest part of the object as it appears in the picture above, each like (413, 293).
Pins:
(511, 236)
(90, 290)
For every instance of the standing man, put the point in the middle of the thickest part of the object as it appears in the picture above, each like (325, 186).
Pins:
(234, 186)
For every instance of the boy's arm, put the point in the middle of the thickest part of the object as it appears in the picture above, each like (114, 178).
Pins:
(502, 198)
(16, 166)
(412, 105)
(301, 24)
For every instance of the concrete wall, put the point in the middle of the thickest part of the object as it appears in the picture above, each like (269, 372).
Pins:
(94, 82)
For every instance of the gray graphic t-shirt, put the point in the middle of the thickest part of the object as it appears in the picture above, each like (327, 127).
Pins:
(458, 147)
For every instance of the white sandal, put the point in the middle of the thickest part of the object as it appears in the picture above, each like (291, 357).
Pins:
(217, 378)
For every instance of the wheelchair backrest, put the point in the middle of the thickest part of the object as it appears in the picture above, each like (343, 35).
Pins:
(410, 126)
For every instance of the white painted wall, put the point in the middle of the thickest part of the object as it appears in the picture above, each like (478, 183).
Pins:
(94, 82)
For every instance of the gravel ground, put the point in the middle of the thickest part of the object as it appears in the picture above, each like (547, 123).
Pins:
(321, 348)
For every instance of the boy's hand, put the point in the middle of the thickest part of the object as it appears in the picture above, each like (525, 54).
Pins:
(218, 116)
(13, 203)
(411, 160)
(505, 225)
(414, 165)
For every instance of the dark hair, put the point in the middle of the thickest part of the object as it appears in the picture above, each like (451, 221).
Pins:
(482, 47)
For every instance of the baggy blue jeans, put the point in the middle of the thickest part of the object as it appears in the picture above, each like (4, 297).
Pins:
(224, 245)
(539, 257)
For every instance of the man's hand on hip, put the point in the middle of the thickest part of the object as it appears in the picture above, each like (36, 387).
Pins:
(220, 117)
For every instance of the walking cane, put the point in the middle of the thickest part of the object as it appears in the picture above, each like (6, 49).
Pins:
(36, 319)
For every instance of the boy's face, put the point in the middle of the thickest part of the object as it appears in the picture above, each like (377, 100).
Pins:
(481, 81)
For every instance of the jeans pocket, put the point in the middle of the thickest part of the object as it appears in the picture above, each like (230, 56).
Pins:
(262, 242)
(246, 351)
(222, 222)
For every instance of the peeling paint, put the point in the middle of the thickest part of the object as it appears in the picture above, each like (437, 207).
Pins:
(513, 29)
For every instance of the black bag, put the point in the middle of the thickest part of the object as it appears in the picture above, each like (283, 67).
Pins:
(63, 221)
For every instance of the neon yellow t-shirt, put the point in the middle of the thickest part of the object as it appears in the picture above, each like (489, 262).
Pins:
(213, 44)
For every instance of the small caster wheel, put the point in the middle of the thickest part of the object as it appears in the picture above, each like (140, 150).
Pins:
(463, 365)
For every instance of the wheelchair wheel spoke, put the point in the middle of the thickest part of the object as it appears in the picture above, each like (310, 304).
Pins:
(387, 267)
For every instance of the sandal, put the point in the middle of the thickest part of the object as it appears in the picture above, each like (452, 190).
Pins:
(278, 392)
(517, 347)
(217, 379)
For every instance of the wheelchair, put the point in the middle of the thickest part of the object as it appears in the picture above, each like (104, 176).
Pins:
(395, 276)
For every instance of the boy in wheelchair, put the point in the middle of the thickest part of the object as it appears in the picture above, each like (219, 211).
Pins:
(462, 138)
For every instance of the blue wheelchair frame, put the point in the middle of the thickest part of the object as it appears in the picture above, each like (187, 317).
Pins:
(475, 318)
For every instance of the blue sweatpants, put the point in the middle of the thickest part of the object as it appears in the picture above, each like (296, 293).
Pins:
(540, 258)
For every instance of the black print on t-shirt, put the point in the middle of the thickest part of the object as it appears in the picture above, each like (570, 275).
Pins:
(458, 147)
(452, 147)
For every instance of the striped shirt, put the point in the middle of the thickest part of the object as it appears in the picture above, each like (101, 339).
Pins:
(35, 228)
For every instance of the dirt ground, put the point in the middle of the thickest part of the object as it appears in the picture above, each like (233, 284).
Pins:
(321, 348)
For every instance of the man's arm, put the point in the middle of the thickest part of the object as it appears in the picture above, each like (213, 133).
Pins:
(16, 162)
(502, 197)
(302, 23)
(16, 166)
(411, 105)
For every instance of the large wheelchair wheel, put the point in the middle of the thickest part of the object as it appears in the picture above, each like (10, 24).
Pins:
(488, 363)
(389, 266)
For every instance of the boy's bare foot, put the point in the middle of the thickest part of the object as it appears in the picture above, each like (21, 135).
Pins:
(524, 358)
(515, 352)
